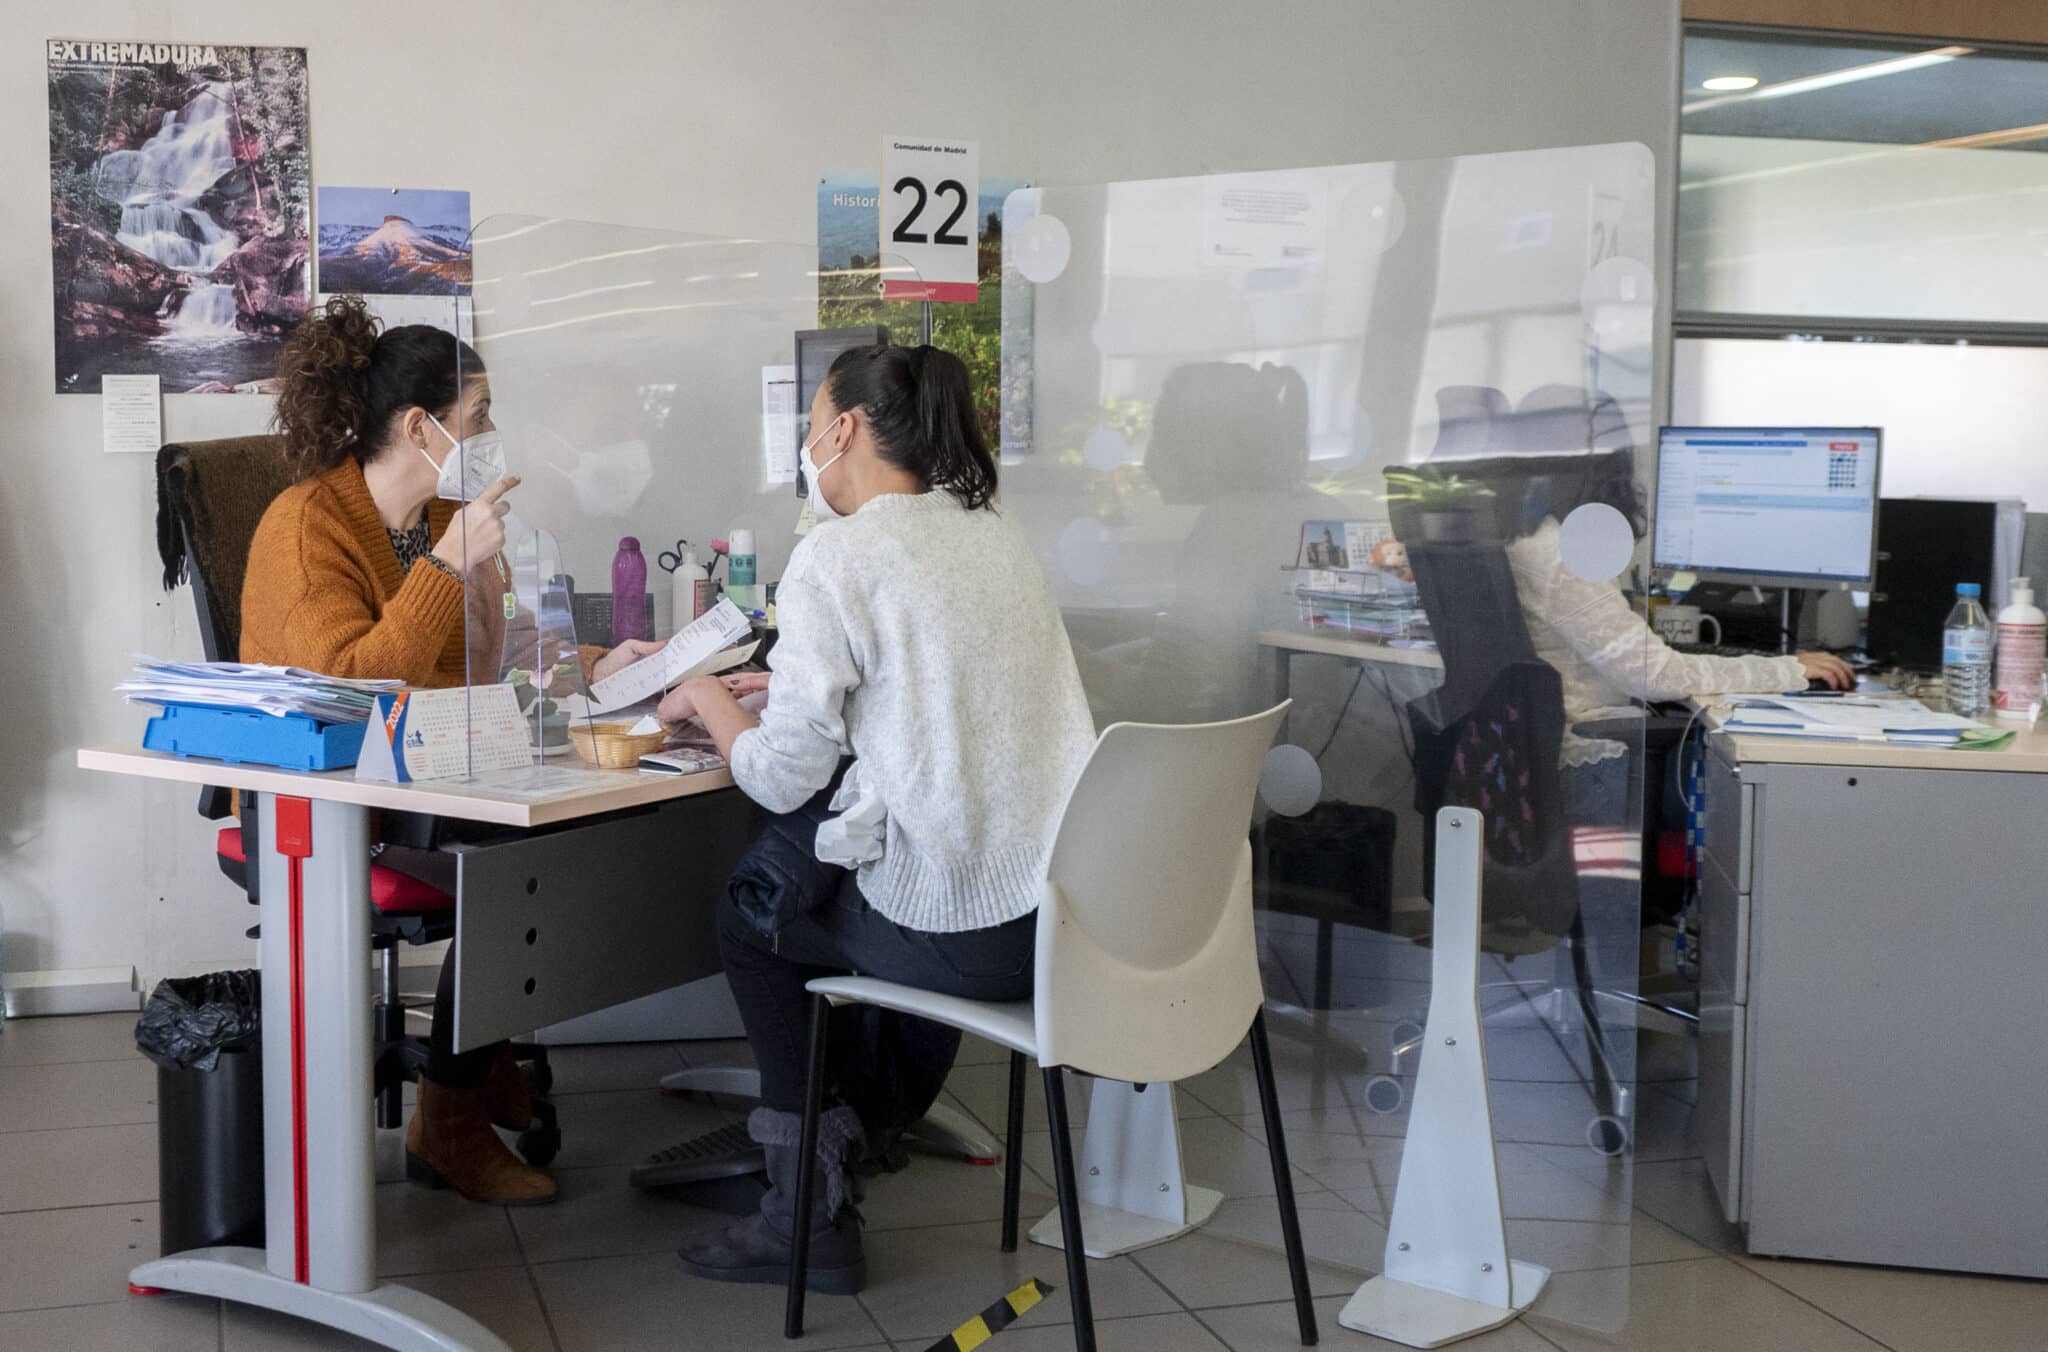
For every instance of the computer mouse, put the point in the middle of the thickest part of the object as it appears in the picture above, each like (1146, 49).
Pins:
(1817, 683)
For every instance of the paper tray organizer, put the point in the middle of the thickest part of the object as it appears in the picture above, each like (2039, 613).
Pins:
(238, 736)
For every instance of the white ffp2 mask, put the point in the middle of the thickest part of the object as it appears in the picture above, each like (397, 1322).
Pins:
(821, 507)
(471, 465)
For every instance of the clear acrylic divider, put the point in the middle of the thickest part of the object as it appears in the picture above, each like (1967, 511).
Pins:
(1313, 434)
(638, 384)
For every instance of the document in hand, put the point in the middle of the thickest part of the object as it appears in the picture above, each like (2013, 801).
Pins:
(698, 649)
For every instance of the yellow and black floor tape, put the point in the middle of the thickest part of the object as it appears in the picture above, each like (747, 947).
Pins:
(994, 1319)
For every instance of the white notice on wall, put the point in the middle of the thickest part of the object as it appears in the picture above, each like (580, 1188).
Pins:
(1276, 220)
(931, 216)
(779, 423)
(131, 414)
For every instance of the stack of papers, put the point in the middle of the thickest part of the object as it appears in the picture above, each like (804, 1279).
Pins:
(257, 688)
(1847, 718)
(698, 649)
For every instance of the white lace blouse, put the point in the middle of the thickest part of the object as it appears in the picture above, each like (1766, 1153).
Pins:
(1607, 656)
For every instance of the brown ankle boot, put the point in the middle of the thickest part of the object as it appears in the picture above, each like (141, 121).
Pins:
(509, 1096)
(449, 1143)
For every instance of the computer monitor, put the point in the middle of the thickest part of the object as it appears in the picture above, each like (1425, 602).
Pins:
(816, 350)
(1770, 506)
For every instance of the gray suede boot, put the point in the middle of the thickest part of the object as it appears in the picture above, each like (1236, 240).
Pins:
(757, 1248)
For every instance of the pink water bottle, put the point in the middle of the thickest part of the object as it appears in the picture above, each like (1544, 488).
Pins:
(629, 592)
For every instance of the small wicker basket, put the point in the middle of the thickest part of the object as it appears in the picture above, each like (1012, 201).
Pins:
(612, 746)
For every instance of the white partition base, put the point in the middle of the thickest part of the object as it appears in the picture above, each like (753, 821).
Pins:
(390, 1316)
(1447, 1274)
(1132, 1192)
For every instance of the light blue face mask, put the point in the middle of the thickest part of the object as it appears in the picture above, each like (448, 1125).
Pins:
(471, 465)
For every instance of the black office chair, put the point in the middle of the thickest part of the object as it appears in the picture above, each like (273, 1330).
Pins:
(211, 495)
(1488, 738)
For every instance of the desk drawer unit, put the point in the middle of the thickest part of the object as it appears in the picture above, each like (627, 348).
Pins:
(565, 922)
(1724, 918)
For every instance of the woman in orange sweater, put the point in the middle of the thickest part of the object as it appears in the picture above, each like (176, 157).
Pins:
(362, 569)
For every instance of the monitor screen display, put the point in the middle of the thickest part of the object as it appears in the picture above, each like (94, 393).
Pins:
(1794, 506)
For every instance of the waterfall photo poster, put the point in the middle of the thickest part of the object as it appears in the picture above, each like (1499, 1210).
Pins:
(179, 211)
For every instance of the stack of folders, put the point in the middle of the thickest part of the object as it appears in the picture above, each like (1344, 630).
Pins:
(1850, 718)
(252, 688)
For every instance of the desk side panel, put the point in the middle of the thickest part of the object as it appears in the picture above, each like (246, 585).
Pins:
(566, 922)
(1894, 1011)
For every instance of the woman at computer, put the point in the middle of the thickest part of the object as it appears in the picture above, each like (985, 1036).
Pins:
(1601, 648)
(919, 637)
(373, 566)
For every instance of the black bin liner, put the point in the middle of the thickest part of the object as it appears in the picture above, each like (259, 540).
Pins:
(1334, 862)
(203, 1033)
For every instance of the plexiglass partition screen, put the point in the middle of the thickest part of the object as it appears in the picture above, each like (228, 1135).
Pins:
(640, 390)
(1368, 437)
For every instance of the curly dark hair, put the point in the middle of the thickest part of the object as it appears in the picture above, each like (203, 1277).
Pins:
(343, 378)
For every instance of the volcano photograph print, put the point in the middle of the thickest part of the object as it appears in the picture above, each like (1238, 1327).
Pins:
(179, 212)
(394, 241)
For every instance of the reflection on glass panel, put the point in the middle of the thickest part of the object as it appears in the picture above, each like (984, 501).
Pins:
(1311, 434)
(1901, 181)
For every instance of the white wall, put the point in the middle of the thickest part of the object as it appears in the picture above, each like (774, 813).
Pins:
(1958, 421)
(705, 116)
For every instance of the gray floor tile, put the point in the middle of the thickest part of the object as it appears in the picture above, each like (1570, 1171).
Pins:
(1215, 1152)
(646, 1301)
(1575, 1246)
(1678, 1193)
(87, 1166)
(166, 1323)
(434, 1230)
(613, 1066)
(1238, 1258)
(1145, 1333)
(82, 1094)
(1710, 1305)
(1272, 1328)
(601, 1215)
(1339, 1148)
(626, 1126)
(935, 1191)
(924, 1283)
(1921, 1311)
(502, 1300)
(73, 1257)
(979, 1051)
(61, 1040)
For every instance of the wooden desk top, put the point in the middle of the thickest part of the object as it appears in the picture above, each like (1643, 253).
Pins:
(2027, 753)
(561, 791)
(1334, 643)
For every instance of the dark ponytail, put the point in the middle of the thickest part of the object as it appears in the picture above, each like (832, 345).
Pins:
(341, 382)
(920, 408)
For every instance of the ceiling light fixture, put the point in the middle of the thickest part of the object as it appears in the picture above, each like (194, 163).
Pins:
(1806, 84)
(1725, 84)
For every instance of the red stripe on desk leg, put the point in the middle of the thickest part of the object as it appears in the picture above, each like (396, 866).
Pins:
(301, 1263)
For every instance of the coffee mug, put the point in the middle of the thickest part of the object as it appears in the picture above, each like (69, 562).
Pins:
(1681, 624)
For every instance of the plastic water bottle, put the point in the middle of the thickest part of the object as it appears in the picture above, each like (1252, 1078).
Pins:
(1966, 653)
(629, 592)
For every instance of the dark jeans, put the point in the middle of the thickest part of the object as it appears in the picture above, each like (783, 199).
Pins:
(889, 1067)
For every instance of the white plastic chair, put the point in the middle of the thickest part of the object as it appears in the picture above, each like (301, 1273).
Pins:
(1147, 966)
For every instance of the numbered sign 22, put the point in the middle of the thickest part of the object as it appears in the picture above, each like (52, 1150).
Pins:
(931, 218)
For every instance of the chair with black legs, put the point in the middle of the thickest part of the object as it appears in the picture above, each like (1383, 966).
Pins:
(1147, 967)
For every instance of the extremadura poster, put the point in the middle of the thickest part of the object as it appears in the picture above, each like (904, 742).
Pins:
(179, 202)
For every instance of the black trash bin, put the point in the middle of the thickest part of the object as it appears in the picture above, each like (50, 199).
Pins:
(204, 1034)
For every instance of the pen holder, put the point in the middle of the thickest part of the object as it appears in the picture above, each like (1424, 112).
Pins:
(613, 746)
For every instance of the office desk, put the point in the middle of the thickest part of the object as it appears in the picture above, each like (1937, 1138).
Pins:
(1873, 924)
(588, 908)
(1286, 644)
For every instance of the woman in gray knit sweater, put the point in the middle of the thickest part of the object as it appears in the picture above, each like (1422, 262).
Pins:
(919, 638)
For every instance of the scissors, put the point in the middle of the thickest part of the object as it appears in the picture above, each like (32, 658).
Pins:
(672, 559)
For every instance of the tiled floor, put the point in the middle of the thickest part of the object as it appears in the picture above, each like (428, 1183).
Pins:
(1651, 1269)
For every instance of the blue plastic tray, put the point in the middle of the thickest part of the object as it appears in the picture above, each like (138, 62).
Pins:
(239, 736)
